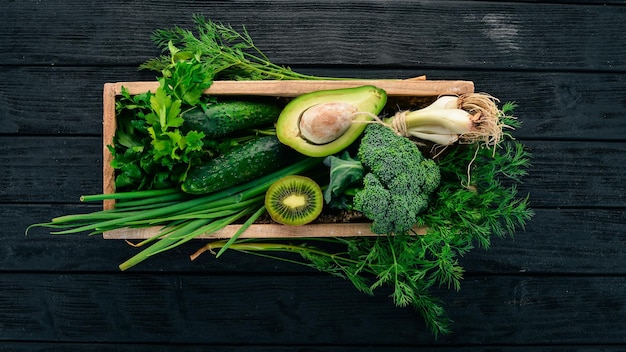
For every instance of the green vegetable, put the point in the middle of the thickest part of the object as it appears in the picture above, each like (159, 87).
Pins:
(322, 123)
(224, 117)
(345, 172)
(182, 219)
(229, 54)
(469, 119)
(150, 150)
(398, 182)
(241, 164)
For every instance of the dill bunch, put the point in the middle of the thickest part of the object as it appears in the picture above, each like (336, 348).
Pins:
(477, 199)
(461, 215)
(228, 53)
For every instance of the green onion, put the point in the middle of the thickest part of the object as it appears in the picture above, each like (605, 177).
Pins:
(129, 195)
(469, 118)
(182, 217)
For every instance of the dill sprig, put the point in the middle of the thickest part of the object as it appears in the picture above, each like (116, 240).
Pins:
(230, 54)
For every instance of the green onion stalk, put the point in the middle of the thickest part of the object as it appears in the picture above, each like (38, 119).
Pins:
(182, 217)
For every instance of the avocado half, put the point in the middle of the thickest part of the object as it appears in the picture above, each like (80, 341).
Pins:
(367, 99)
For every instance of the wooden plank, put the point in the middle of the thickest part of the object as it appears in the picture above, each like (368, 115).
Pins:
(575, 174)
(411, 87)
(61, 169)
(560, 242)
(72, 103)
(257, 231)
(49, 169)
(556, 241)
(560, 106)
(553, 105)
(28, 346)
(266, 310)
(494, 35)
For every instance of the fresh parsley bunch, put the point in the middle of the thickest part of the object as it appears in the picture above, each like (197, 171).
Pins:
(150, 150)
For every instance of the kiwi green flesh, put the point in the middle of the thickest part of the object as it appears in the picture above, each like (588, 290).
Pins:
(294, 200)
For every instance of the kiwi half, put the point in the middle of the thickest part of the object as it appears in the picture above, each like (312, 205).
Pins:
(294, 200)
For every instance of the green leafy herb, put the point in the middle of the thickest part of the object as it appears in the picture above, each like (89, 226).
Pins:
(229, 53)
(150, 150)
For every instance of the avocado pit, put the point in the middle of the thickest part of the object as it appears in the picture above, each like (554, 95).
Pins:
(324, 123)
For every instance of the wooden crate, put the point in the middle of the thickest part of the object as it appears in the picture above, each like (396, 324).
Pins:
(412, 88)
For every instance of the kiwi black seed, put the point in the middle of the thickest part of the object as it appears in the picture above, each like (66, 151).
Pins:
(294, 200)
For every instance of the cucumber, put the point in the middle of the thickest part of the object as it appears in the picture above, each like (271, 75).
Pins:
(243, 163)
(222, 118)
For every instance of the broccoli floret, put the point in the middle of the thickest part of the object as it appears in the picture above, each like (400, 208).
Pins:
(375, 203)
(398, 182)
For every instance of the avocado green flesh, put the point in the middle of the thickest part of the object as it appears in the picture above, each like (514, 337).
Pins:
(369, 100)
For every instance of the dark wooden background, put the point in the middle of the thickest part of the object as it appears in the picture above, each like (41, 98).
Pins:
(558, 286)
